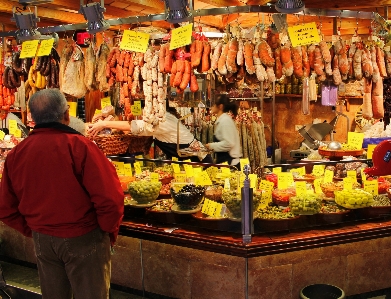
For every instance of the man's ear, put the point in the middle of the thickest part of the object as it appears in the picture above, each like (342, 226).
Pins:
(67, 118)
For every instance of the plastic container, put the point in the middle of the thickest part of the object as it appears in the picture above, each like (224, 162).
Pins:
(322, 291)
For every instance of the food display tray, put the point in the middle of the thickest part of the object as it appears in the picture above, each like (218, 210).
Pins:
(340, 153)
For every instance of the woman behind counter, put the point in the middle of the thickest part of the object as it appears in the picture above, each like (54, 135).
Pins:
(165, 135)
(226, 143)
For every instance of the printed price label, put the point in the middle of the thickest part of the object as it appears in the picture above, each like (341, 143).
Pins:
(372, 187)
(285, 179)
(253, 180)
(97, 111)
(301, 188)
(197, 170)
(189, 169)
(277, 170)
(352, 174)
(318, 190)
(355, 139)
(12, 126)
(174, 159)
(128, 169)
(176, 168)
(347, 183)
(180, 177)
(154, 177)
(136, 108)
(203, 179)
(105, 102)
(29, 49)
(181, 36)
(303, 34)
(300, 170)
(244, 162)
(140, 157)
(72, 108)
(134, 41)
(2, 135)
(370, 149)
(119, 167)
(18, 133)
(137, 167)
(328, 176)
(45, 47)
(318, 170)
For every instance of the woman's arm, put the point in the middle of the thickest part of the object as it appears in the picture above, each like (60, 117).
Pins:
(94, 129)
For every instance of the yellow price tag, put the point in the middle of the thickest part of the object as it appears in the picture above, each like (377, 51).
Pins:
(136, 108)
(227, 185)
(105, 102)
(181, 36)
(300, 170)
(97, 111)
(18, 133)
(2, 135)
(318, 170)
(355, 139)
(347, 183)
(203, 179)
(363, 175)
(176, 168)
(140, 157)
(135, 41)
(189, 170)
(197, 170)
(277, 170)
(174, 159)
(253, 180)
(266, 185)
(244, 162)
(317, 188)
(205, 207)
(370, 149)
(303, 34)
(72, 108)
(180, 177)
(218, 207)
(372, 187)
(29, 49)
(301, 188)
(128, 169)
(45, 47)
(285, 179)
(266, 199)
(328, 176)
(154, 177)
(12, 126)
(226, 170)
(137, 167)
(119, 167)
(352, 174)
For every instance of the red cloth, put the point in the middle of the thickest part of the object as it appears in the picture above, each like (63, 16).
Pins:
(57, 182)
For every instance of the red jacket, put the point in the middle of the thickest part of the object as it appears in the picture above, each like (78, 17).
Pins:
(57, 182)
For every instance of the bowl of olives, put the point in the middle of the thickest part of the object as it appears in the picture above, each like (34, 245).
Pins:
(187, 197)
(144, 192)
(233, 202)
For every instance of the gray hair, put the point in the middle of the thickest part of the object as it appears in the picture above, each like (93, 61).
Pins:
(77, 124)
(48, 105)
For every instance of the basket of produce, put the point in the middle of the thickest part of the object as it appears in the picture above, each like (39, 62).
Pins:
(161, 212)
(281, 196)
(329, 188)
(331, 213)
(144, 193)
(187, 198)
(113, 144)
(383, 185)
(353, 199)
(380, 207)
(305, 204)
(233, 202)
(273, 218)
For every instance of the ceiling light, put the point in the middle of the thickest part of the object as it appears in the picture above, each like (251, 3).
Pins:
(290, 6)
(34, 2)
(176, 11)
(26, 21)
(93, 13)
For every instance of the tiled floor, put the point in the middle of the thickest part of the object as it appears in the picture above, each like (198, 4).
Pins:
(27, 278)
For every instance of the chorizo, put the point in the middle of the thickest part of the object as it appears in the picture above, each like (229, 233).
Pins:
(216, 55)
(380, 62)
(205, 61)
(248, 57)
(297, 60)
(221, 64)
(377, 99)
(232, 52)
(278, 65)
(193, 83)
(265, 54)
(367, 112)
(186, 76)
(162, 55)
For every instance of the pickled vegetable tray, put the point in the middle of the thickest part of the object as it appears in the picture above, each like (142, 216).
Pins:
(340, 153)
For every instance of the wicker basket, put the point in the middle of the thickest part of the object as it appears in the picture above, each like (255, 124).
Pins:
(139, 144)
(113, 144)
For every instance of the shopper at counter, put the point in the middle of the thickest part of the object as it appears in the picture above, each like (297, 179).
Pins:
(226, 139)
(165, 134)
(59, 188)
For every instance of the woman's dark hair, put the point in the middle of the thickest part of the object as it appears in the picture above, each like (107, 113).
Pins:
(172, 110)
(228, 104)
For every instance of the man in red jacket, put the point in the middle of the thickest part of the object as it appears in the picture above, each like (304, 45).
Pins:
(59, 188)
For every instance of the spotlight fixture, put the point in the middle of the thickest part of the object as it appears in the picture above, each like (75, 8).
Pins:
(176, 11)
(26, 21)
(290, 6)
(93, 13)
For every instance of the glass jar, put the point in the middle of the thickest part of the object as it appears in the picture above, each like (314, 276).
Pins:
(282, 88)
(300, 89)
(288, 88)
(295, 89)
(295, 81)
(277, 89)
